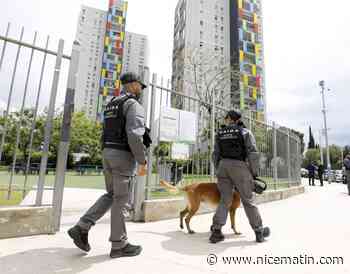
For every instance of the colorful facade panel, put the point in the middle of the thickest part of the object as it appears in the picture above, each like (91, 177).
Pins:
(113, 49)
(250, 54)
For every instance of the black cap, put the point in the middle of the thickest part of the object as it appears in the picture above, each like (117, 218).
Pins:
(234, 115)
(130, 77)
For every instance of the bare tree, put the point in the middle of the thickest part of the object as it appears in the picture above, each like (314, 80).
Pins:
(211, 78)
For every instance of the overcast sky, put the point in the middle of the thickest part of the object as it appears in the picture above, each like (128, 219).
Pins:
(305, 41)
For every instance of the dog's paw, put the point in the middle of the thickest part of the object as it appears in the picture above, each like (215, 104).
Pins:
(191, 232)
(181, 226)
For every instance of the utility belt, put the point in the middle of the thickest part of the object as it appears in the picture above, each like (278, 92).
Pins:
(124, 147)
(235, 158)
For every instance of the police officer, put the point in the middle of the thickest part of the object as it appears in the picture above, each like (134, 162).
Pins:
(123, 149)
(234, 147)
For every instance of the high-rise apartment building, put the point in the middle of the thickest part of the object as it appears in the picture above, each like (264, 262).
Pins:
(220, 40)
(200, 44)
(136, 53)
(246, 48)
(106, 52)
(90, 34)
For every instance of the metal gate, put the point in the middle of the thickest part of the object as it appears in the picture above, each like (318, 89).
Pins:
(32, 71)
(280, 149)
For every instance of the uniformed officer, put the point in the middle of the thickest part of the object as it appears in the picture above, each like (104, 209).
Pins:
(123, 149)
(236, 161)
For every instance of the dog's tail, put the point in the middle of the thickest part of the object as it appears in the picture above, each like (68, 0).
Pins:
(170, 187)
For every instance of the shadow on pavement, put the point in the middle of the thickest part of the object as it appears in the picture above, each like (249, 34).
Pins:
(49, 260)
(198, 243)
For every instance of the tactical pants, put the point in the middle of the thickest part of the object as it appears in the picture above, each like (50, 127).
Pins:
(118, 169)
(232, 175)
(311, 180)
(321, 178)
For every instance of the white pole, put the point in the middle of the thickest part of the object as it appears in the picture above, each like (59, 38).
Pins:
(321, 149)
(324, 111)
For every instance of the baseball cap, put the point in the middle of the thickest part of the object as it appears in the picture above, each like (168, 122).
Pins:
(130, 77)
(234, 115)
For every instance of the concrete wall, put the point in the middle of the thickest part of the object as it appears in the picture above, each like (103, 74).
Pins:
(156, 210)
(25, 221)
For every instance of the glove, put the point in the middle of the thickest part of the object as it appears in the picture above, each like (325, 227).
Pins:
(147, 141)
(259, 185)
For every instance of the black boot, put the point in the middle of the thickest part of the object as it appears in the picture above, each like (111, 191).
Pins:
(128, 251)
(80, 238)
(262, 234)
(216, 236)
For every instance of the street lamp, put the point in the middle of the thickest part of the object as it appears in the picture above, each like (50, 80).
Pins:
(321, 145)
(324, 111)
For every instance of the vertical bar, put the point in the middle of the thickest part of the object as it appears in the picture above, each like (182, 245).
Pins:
(213, 110)
(4, 46)
(35, 117)
(196, 163)
(175, 172)
(250, 117)
(288, 158)
(298, 163)
(145, 94)
(19, 124)
(150, 151)
(275, 175)
(4, 131)
(65, 137)
(167, 95)
(160, 115)
(49, 122)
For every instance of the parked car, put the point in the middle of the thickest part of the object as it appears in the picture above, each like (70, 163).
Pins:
(332, 175)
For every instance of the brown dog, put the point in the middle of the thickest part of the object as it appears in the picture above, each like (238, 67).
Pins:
(202, 192)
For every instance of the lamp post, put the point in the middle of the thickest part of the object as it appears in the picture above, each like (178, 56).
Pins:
(321, 146)
(324, 111)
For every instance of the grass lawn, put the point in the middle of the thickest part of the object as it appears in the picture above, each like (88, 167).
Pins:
(74, 180)
(15, 199)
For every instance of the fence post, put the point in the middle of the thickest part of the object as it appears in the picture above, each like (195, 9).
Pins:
(150, 150)
(288, 158)
(4, 46)
(145, 94)
(65, 137)
(9, 100)
(19, 123)
(298, 164)
(139, 198)
(48, 127)
(250, 118)
(275, 174)
(213, 110)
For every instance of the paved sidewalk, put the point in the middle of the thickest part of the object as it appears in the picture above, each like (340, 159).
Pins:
(316, 223)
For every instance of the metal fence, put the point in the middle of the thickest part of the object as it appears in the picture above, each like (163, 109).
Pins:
(35, 74)
(279, 147)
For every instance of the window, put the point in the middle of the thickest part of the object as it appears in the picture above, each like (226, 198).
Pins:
(250, 48)
(201, 23)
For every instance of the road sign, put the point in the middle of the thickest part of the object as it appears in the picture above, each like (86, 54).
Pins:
(177, 125)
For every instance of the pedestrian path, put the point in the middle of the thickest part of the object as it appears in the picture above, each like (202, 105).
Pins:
(315, 224)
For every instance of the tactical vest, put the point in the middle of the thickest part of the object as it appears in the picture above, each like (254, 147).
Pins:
(114, 133)
(231, 143)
